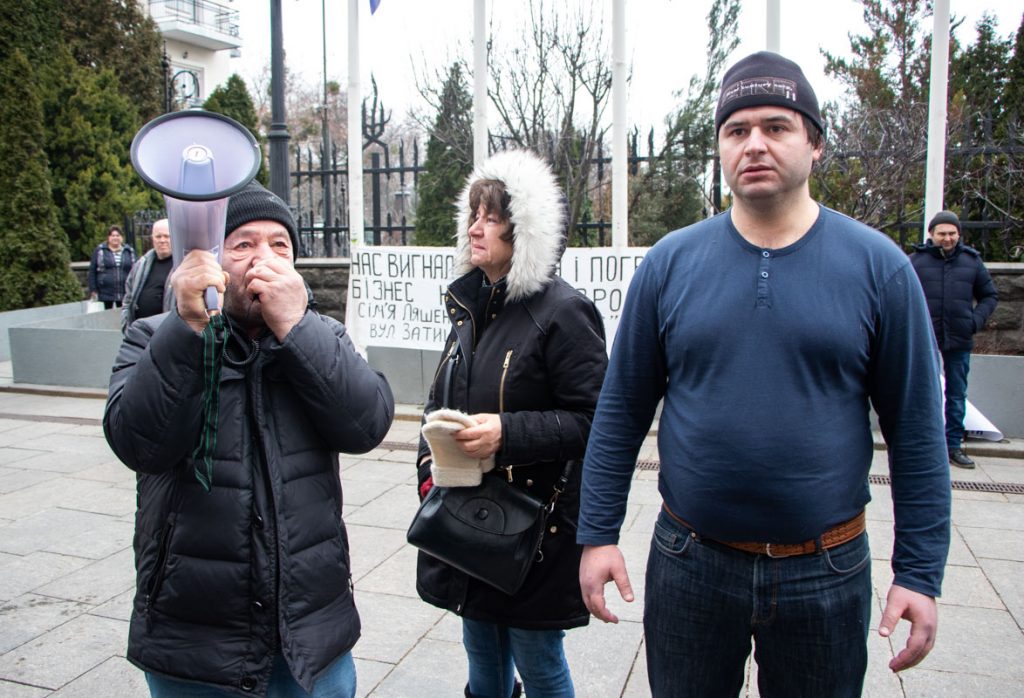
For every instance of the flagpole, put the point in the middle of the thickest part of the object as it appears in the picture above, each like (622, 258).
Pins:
(355, 132)
(620, 179)
(935, 167)
(772, 27)
(479, 81)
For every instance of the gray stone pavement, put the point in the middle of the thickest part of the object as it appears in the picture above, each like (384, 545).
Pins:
(66, 571)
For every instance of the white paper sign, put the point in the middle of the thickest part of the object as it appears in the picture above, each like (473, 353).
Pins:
(396, 294)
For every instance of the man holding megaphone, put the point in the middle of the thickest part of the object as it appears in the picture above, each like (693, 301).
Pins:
(242, 557)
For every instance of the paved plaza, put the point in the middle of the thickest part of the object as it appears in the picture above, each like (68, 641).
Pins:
(67, 507)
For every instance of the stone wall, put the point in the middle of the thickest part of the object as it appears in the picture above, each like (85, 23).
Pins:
(1004, 333)
(327, 277)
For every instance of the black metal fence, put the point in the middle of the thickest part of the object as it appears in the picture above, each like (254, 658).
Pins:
(390, 174)
(321, 202)
(320, 199)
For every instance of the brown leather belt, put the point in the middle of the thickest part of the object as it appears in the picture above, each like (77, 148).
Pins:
(837, 535)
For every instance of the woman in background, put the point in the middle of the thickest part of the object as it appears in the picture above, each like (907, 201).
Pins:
(108, 269)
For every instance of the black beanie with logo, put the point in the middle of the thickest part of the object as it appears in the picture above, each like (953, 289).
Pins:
(255, 203)
(766, 79)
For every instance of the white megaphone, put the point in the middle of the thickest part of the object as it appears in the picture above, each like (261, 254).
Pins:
(196, 159)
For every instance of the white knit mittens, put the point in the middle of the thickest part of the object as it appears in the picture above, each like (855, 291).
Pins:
(451, 466)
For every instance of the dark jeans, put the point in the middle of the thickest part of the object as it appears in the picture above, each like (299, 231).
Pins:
(538, 654)
(107, 305)
(955, 364)
(808, 617)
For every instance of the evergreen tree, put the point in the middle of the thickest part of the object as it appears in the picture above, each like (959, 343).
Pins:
(976, 79)
(879, 134)
(233, 100)
(91, 126)
(670, 193)
(449, 162)
(890, 65)
(1013, 93)
(32, 26)
(117, 34)
(33, 248)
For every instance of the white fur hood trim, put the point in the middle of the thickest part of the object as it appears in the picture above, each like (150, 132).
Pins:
(536, 211)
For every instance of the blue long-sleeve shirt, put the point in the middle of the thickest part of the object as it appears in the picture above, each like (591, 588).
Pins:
(767, 360)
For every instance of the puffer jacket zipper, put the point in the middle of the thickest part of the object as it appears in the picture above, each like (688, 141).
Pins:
(159, 569)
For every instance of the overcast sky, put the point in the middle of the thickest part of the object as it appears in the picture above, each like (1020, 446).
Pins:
(665, 40)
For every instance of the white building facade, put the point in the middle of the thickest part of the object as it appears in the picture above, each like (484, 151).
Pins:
(200, 37)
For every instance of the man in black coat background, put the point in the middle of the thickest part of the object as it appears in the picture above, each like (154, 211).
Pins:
(961, 297)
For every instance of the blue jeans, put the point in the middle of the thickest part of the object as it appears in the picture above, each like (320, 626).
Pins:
(955, 364)
(808, 616)
(339, 681)
(538, 654)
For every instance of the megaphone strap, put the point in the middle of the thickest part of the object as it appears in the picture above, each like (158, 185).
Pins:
(213, 355)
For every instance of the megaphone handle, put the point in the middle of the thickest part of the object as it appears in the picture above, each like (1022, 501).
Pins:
(211, 299)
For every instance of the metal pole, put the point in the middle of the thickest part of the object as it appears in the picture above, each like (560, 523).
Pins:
(375, 196)
(355, 132)
(165, 63)
(773, 26)
(326, 157)
(479, 81)
(278, 136)
(620, 178)
(935, 169)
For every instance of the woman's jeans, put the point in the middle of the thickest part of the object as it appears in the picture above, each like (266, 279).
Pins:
(339, 681)
(538, 654)
(808, 616)
(956, 365)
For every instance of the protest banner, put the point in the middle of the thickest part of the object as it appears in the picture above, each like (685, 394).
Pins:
(396, 294)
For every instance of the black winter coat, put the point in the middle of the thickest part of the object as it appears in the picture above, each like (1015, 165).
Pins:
(539, 362)
(259, 563)
(951, 286)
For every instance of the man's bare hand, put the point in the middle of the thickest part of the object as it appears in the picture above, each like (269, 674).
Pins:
(602, 564)
(281, 292)
(923, 615)
(194, 275)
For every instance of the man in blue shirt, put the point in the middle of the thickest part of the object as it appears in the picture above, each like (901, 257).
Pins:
(769, 331)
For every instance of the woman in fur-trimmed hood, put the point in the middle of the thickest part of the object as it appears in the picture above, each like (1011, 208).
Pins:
(525, 359)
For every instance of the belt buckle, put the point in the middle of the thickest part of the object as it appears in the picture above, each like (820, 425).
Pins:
(768, 552)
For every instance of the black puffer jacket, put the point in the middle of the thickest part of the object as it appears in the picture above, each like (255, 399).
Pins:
(261, 561)
(539, 363)
(951, 286)
(530, 348)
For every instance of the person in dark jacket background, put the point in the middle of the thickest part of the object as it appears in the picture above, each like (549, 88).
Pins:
(108, 269)
(525, 359)
(961, 297)
(148, 288)
(243, 568)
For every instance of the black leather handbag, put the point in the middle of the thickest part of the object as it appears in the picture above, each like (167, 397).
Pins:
(492, 532)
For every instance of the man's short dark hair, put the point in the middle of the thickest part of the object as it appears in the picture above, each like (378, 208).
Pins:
(814, 134)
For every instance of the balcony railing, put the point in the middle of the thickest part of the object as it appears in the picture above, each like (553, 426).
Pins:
(206, 16)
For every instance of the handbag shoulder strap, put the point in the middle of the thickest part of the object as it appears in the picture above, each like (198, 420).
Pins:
(563, 480)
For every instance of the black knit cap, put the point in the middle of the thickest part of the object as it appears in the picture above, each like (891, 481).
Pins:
(766, 79)
(944, 217)
(255, 203)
